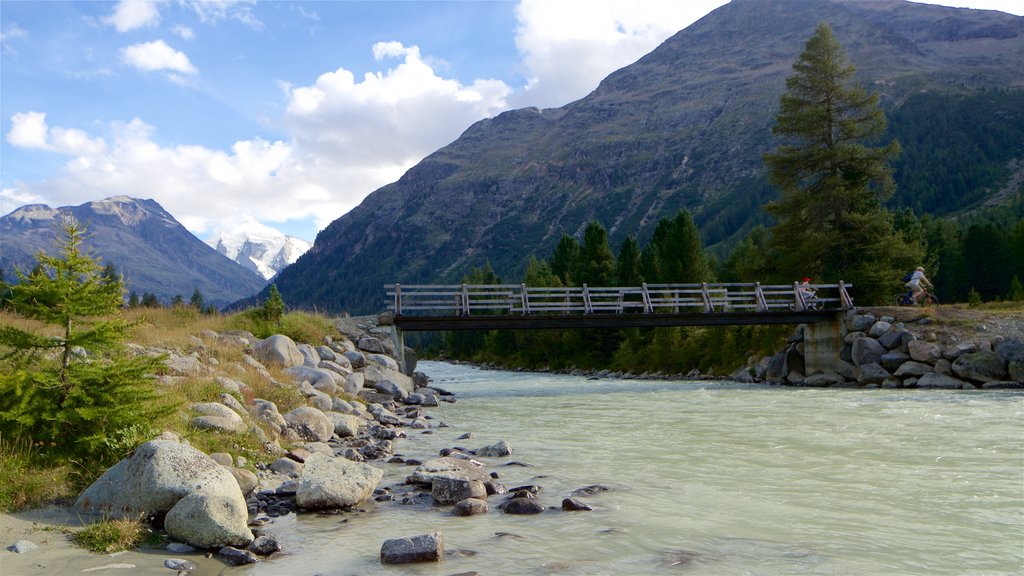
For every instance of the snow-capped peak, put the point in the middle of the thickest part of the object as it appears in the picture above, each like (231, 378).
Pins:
(260, 249)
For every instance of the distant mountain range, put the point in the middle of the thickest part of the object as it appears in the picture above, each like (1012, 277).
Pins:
(146, 244)
(684, 127)
(264, 252)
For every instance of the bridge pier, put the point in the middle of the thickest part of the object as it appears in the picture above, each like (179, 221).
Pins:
(823, 341)
(398, 339)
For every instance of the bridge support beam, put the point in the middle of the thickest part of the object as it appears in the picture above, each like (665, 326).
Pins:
(398, 339)
(823, 341)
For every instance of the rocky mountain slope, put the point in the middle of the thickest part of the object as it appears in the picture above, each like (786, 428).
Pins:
(683, 127)
(146, 244)
(263, 252)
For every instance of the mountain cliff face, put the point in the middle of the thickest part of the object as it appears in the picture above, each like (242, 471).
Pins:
(264, 253)
(683, 127)
(147, 245)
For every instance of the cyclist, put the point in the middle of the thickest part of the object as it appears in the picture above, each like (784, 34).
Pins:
(917, 278)
(808, 293)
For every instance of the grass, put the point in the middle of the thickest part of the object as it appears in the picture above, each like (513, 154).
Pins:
(113, 535)
(27, 481)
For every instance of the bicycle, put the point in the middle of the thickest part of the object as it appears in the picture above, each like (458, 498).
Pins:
(907, 299)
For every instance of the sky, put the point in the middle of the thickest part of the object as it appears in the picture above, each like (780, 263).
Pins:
(237, 115)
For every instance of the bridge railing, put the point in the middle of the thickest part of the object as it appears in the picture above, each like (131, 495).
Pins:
(476, 299)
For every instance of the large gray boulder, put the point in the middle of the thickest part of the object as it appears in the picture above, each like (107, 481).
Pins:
(1011, 350)
(356, 358)
(872, 374)
(370, 344)
(448, 467)
(878, 328)
(216, 416)
(354, 383)
(153, 480)
(981, 366)
(866, 351)
(421, 548)
(278, 350)
(209, 521)
(310, 423)
(499, 449)
(375, 374)
(912, 368)
(318, 377)
(265, 412)
(861, 322)
(328, 483)
(346, 425)
(933, 380)
(391, 389)
(922, 351)
(892, 360)
(310, 357)
(451, 490)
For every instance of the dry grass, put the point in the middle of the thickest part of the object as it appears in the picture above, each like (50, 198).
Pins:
(108, 535)
(172, 327)
(25, 481)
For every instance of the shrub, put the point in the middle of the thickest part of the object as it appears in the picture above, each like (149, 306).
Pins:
(113, 535)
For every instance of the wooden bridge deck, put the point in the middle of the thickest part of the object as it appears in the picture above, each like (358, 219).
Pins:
(517, 306)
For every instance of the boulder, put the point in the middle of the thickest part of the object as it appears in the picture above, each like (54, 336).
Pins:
(861, 322)
(499, 449)
(286, 466)
(522, 505)
(777, 369)
(872, 374)
(216, 416)
(310, 423)
(356, 358)
(981, 366)
(230, 385)
(247, 481)
(452, 490)
(892, 339)
(574, 505)
(824, 380)
(154, 478)
(334, 367)
(959, 350)
(318, 377)
(374, 374)
(346, 425)
(327, 483)
(892, 360)
(470, 507)
(209, 521)
(326, 353)
(265, 411)
(878, 328)
(183, 366)
(383, 360)
(1011, 351)
(264, 545)
(912, 368)
(867, 350)
(933, 380)
(421, 548)
(309, 355)
(278, 350)
(236, 557)
(391, 389)
(922, 351)
(370, 344)
(447, 467)
(354, 383)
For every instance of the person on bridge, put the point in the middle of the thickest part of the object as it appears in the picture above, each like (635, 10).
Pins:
(917, 278)
(808, 293)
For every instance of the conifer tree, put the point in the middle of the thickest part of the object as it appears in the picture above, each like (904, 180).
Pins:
(831, 223)
(76, 392)
(197, 300)
(628, 263)
(597, 262)
(564, 259)
(133, 299)
(273, 308)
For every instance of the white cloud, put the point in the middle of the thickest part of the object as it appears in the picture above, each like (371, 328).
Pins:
(8, 35)
(132, 14)
(569, 46)
(183, 32)
(29, 130)
(157, 55)
(212, 11)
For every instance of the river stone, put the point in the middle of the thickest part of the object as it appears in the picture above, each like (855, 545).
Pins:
(912, 368)
(346, 425)
(1003, 385)
(470, 507)
(872, 374)
(286, 466)
(356, 358)
(383, 360)
(237, 557)
(216, 416)
(22, 546)
(278, 350)
(247, 481)
(370, 344)
(264, 545)
(209, 521)
(981, 366)
(959, 350)
(523, 505)
(1012, 351)
(335, 483)
(777, 368)
(326, 353)
(824, 380)
(452, 490)
(309, 355)
(374, 373)
(574, 505)
(861, 322)
(867, 350)
(154, 478)
(265, 411)
(922, 351)
(180, 565)
(933, 380)
(499, 449)
(318, 377)
(846, 370)
(447, 467)
(391, 389)
(892, 360)
(878, 328)
(420, 548)
(354, 383)
(333, 366)
(944, 367)
(310, 423)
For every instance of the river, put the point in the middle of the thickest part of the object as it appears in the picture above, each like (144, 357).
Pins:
(707, 478)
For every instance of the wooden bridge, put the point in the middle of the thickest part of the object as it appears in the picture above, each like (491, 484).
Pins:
(517, 306)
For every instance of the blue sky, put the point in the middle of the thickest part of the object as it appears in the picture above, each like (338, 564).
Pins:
(241, 115)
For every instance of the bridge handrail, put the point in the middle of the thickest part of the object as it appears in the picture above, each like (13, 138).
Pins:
(464, 299)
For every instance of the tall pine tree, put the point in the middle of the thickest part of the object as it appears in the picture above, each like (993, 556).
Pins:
(831, 224)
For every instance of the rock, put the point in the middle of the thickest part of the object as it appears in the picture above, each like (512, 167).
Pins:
(334, 367)
(878, 328)
(328, 482)
(922, 351)
(1003, 385)
(867, 350)
(326, 353)
(420, 548)
(216, 416)
(346, 425)
(370, 344)
(846, 370)
(247, 481)
(872, 374)
(154, 478)
(265, 411)
(309, 355)
(286, 466)
(321, 379)
(180, 565)
(180, 548)
(912, 368)
(944, 367)
(1011, 351)
(892, 339)
(981, 366)
(233, 403)
(447, 467)
(933, 380)
(824, 380)
(959, 350)
(22, 546)
(573, 505)
(892, 360)
(470, 507)
(391, 389)
(374, 374)
(354, 382)
(183, 366)
(310, 424)
(264, 546)
(861, 322)
(237, 557)
(452, 490)
(229, 385)
(209, 521)
(777, 369)
(496, 450)
(523, 505)
(383, 360)
(356, 358)
(278, 350)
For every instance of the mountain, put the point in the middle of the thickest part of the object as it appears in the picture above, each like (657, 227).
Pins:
(146, 244)
(264, 251)
(683, 127)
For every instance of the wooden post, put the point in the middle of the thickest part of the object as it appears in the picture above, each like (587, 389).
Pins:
(398, 339)
(398, 299)
(798, 296)
(465, 300)
(708, 306)
(759, 301)
(648, 307)
(844, 296)
(525, 298)
(587, 308)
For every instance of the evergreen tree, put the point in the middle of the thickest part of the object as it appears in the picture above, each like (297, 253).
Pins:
(650, 264)
(197, 300)
(177, 301)
(133, 299)
(596, 261)
(564, 259)
(96, 404)
(273, 308)
(830, 221)
(149, 300)
(627, 265)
